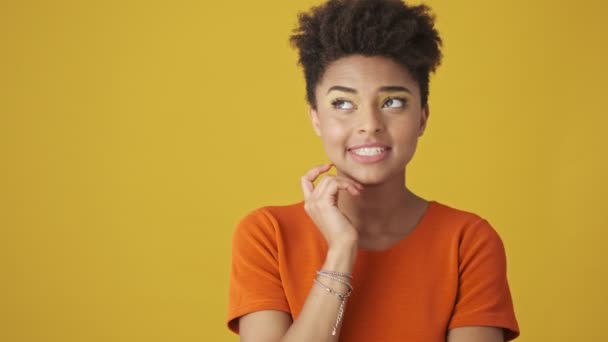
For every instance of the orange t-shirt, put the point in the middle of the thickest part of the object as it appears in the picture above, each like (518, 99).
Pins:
(449, 272)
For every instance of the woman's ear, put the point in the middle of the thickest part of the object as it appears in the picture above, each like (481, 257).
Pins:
(424, 118)
(314, 117)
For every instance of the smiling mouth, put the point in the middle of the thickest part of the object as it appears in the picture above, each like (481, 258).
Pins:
(369, 151)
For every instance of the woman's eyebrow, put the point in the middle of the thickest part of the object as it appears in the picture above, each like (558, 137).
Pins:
(394, 88)
(384, 89)
(342, 88)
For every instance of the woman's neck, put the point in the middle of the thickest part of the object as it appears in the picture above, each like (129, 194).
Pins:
(381, 209)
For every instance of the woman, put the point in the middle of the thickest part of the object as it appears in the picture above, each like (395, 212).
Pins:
(363, 258)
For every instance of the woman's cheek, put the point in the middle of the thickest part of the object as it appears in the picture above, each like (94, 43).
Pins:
(335, 134)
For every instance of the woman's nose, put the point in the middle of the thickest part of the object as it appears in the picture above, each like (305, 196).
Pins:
(371, 121)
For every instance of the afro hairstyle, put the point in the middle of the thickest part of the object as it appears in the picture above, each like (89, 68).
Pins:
(387, 28)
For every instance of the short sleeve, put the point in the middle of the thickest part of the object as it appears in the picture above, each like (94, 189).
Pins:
(484, 298)
(255, 281)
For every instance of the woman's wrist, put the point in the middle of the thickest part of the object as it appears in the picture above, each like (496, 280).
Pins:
(341, 256)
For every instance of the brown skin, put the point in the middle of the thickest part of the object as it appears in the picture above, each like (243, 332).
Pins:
(386, 210)
(365, 205)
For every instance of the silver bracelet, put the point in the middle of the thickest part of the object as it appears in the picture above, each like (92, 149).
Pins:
(340, 280)
(337, 274)
(342, 297)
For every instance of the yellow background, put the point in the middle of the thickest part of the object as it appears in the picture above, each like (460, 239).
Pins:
(134, 135)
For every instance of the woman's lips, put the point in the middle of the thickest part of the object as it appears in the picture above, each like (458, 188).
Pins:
(369, 154)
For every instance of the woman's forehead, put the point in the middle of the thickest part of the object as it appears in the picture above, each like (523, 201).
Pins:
(366, 73)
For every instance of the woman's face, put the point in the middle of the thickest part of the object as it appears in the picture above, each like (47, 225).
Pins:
(369, 117)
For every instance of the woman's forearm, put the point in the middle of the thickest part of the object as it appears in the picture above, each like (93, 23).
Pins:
(320, 312)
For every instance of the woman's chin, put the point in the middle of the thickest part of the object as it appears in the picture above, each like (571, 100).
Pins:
(368, 177)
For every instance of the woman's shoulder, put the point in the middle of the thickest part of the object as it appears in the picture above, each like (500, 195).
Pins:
(274, 217)
(461, 221)
(449, 212)
(277, 212)
(275, 225)
(442, 213)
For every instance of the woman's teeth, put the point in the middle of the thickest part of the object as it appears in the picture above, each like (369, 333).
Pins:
(369, 151)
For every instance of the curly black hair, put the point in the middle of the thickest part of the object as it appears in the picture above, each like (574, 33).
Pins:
(388, 28)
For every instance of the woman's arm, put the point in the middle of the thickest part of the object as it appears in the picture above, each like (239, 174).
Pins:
(318, 316)
(321, 311)
(476, 334)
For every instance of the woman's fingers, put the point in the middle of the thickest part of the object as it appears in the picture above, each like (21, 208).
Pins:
(353, 190)
(321, 202)
(310, 176)
(340, 183)
(346, 182)
(328, 186)
(313, 173)
(307, 188)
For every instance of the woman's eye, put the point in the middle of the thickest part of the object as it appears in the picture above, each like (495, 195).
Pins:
(342, 104)
(394, 103)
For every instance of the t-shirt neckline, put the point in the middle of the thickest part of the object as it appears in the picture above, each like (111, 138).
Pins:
(410, 236)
